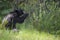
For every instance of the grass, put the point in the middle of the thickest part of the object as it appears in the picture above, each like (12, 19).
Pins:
(26, 35)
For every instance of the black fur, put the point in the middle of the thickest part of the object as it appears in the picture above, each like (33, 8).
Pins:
(17, 16)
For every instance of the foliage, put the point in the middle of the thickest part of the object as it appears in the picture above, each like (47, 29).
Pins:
(44, 16)
(26, 35)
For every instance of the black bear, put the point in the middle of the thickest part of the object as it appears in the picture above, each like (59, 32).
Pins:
(10, 20)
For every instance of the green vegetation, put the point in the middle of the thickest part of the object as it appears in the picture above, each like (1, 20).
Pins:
(26, 35)
(43, 22)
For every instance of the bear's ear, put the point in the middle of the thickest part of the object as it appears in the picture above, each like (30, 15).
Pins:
(15, 10)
